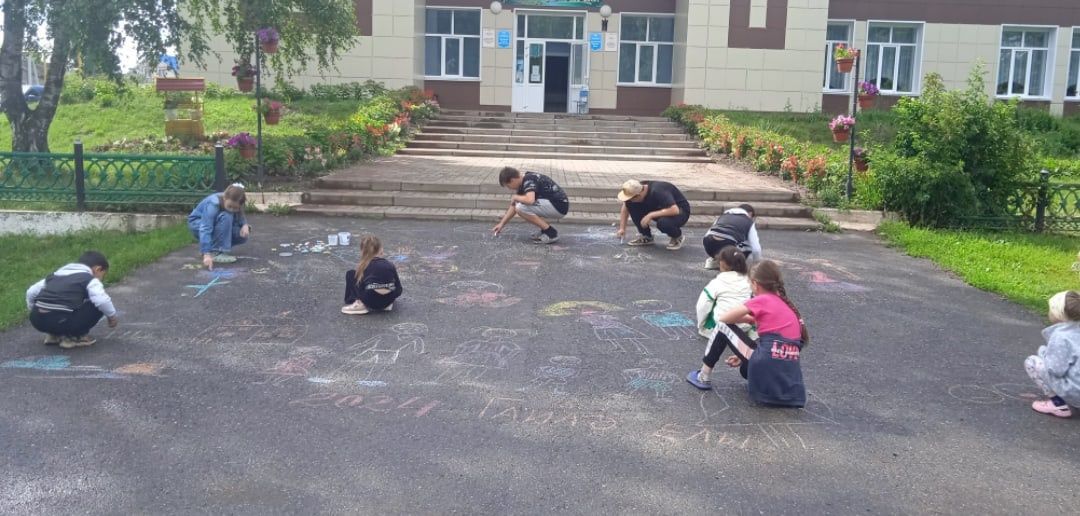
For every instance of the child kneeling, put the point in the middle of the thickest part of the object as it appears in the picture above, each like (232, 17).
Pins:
(1055, 368)
(69, 302)
(374, 285)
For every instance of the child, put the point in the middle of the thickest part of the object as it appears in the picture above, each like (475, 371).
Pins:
(67, 303)
(374, 285)
(218, 223)
(1055, 368)
(729, 289)
(537, 199)
(734, 228)
(771, 365)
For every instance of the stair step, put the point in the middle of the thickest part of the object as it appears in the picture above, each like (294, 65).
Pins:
(566, 122)
(426, 137)
(357, 184)
(478, 215)
(491, 201)
(557, 116)
(553, 149)
(601, 132)
(552, 155)
(492, 123)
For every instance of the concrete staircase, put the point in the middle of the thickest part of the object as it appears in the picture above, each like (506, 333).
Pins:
(555, 136)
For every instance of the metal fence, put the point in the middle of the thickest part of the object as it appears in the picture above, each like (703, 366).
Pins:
(109, 179)
(1039, 206)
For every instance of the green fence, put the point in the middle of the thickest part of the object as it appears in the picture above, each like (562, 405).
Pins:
(109, 179)
(1039, 206)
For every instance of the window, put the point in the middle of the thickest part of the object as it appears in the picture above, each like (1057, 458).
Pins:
(1022, 62)
(1072, 84)
(452, 43)
(646, 49)
(892, 54)
(837, 33)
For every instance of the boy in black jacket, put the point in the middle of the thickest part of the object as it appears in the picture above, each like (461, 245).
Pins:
(69, 302)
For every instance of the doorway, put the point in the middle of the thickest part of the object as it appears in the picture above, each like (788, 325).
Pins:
(550, 61)
(557, 82)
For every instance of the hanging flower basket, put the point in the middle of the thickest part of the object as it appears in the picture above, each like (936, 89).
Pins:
(841, 128)
(245, 84)
(270, 111)
(841, 135)
(268, 39)
(845, 57)
(247, 151)
(862, 164)
(244, 143)
(845, 65)
(866, 101)
(245, 76)
(272, 117)
(868, 91)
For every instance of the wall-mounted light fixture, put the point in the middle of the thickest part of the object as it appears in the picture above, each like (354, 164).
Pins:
(496, 7)
(605, 13)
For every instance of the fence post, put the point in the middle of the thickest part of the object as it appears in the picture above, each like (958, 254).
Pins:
(1042, 201)
(219, 168)
(80, 177)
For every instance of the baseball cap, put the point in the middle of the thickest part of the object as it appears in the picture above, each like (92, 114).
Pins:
(630, 189)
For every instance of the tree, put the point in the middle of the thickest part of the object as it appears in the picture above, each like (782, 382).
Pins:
(95, 30)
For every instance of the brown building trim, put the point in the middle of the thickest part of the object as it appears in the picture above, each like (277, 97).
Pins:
(365, 11)
(1064, 13)
(1043, 105)
(835, 104)
(642, 101)
(1072, 108)
(773, 36)
(618, 6)
(455, 94)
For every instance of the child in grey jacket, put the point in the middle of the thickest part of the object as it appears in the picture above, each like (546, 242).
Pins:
(1055, 368)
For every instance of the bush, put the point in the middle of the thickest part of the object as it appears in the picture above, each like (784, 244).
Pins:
(924, 192)
(1062, 168)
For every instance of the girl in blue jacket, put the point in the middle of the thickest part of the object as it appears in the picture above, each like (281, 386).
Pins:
(218, 223)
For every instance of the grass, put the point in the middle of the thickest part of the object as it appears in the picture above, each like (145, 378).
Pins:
(875, 126)
(31, 258)
(1023, 267)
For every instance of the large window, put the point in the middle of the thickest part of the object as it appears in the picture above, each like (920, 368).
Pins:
(1072, 84)
(645, 49)
(1022, 64)
(892, 56)
(837, 33)
(452, 44)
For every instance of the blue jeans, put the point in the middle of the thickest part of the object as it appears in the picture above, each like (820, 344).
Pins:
(225, 235)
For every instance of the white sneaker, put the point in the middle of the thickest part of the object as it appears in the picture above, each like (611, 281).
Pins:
(356, 308)
(390, 308)
(544, 239)
(711, 264)
(676, 243)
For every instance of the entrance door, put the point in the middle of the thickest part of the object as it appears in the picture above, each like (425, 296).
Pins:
(557, 78)
(579, 75)
(529, 76)
(550, 61)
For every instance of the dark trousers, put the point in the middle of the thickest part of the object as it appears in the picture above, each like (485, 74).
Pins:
(714, 245)
(371, 299)
(670, 226)
(66, 324)
(722, 340)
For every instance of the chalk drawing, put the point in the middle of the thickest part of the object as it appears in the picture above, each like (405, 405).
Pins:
(416, 406)
(564, 308)
(821, 282)
(370, 383)
(374, 356)
(221, 273)
(651, 376)
(475, 293)
(288, 369)
(319, 379)
(59, 366)
(191, 266)
(45, 363)
(673, 325)
(631, 257)
(556, 375)
(740, 436)
(994, 394)
(201, 289)
(140, 369)
(495, 348)
(270, 330)
(513, 411)
(261, 270)
(618, 336)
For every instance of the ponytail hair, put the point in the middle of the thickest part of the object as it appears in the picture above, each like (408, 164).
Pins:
(734, 259)
(370, 247)
(767, 275)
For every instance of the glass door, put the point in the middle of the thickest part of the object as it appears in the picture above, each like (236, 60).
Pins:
(579, 76)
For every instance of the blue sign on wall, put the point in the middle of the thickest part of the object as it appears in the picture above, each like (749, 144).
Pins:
(596, 41)
(504, 39)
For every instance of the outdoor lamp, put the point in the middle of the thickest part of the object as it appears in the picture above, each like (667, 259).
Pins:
(496, 7)
(605, 13)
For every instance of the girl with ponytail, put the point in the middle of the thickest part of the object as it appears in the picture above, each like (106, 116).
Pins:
(730, 288)
(374, 284)
(771, 364)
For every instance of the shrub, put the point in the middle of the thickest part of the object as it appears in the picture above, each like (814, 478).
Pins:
(925, 192)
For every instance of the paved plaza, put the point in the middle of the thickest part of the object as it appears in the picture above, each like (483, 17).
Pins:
(517, 379)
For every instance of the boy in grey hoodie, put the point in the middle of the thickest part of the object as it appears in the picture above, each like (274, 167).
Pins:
(69, 302)
(1055, 368)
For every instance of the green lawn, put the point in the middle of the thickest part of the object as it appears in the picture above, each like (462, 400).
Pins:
(875, 126)
(1025, 268)
(27, 259)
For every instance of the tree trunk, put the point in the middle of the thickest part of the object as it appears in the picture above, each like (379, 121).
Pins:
(30, 134)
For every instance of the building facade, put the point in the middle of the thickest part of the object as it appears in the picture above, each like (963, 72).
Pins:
(640, 56)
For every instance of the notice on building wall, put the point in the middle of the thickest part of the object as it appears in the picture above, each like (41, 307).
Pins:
(611, 42)
(596, 41)
(504, 39)
(488, 38)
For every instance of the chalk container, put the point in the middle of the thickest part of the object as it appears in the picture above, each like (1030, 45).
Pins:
(343, 237)
(332, 239)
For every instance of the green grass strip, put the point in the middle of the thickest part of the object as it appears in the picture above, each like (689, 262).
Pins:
(1024, 268)
(28, 259)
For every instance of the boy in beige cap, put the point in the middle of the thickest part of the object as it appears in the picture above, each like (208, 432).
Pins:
(646, 202)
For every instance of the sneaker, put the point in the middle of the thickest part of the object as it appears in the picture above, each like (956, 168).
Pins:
(676, 243)
(639, 241)
(356, 308)
(693, 379)
(224, 258)
(544, 239)
(535, 237)
(77, 342)
(1048, 407)
(52, 340)
(711, 264)
(389, 308)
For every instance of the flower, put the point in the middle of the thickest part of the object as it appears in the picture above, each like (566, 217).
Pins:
(842, 123)
(868, 88)
(267, 107)
(268, 35)
(241, 140)
(243, 70)
(860, 153)
(845, 52)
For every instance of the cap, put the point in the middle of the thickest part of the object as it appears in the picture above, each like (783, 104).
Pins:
(630, 189)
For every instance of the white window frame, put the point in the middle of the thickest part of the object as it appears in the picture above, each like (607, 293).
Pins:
(1075, 73)
(830, 66)
(916, 79)
(637, 53)
(461, 47)
(1048, 71)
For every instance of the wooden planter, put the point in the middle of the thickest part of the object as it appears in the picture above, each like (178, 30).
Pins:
(269, 48)
(845, 65)
(245, 84)
(841, 135)
(247, 151)
(866, 101)
(272, 117)
(861, 165)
